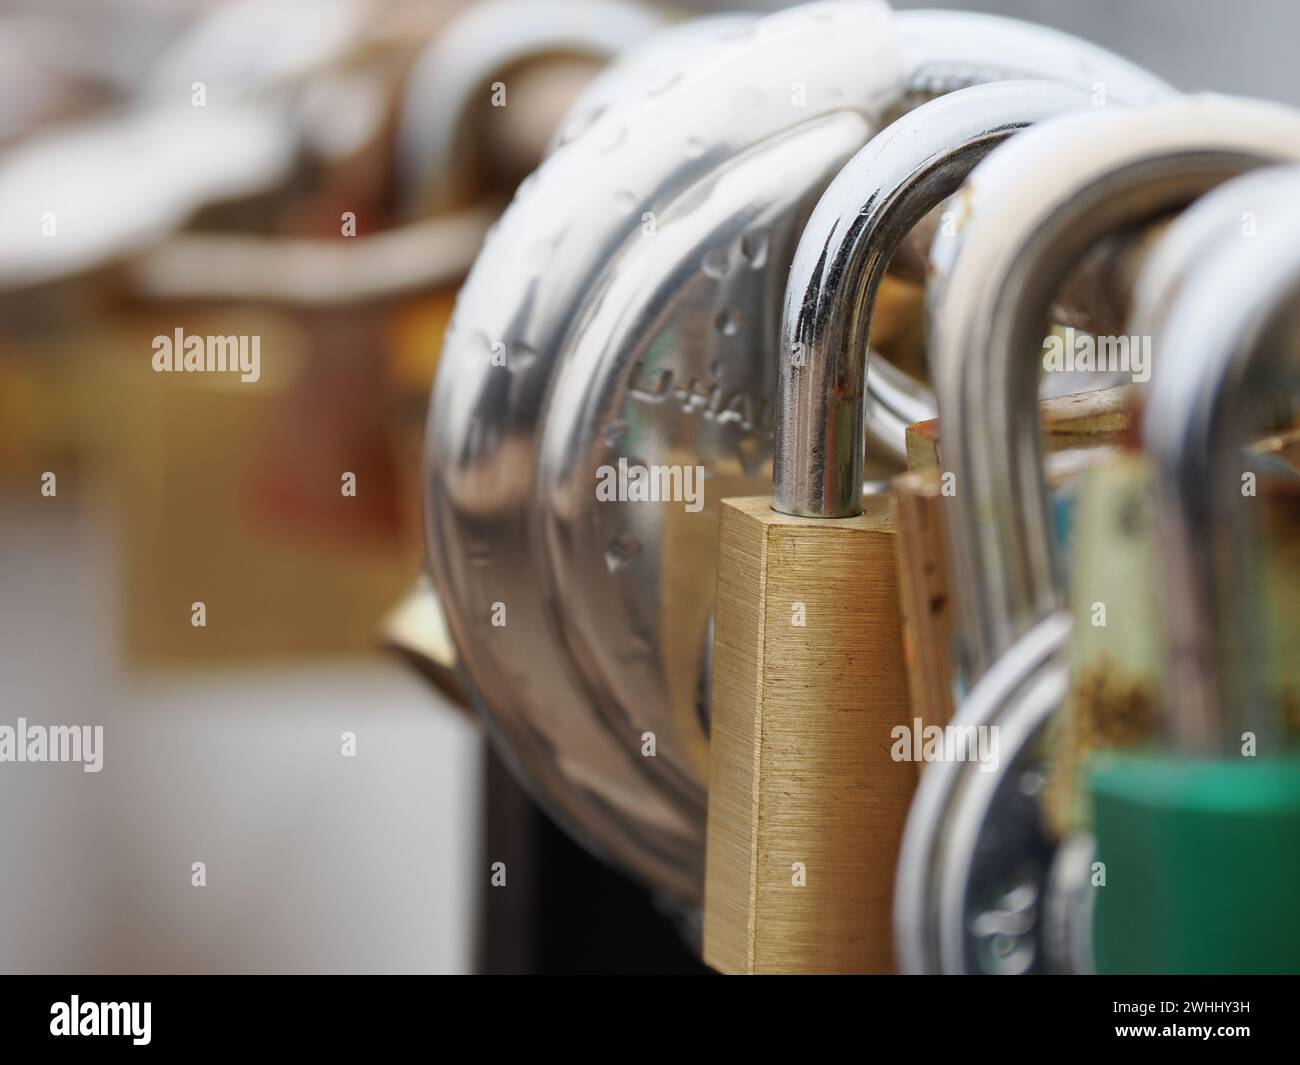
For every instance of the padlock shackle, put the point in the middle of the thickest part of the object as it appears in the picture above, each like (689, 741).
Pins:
(1218, 217)
(1217, 320)
(1028, 213)
(860, 221)
(944, 52)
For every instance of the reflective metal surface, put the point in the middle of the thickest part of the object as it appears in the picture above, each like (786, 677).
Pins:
(1023, 218)
(1069, 907)
(1025, 215)
(945, 51)
(1216, 218)
(639, 69)
(974, 867)
(949, 50)
(858, 224)
(152, 170)
(246, 46)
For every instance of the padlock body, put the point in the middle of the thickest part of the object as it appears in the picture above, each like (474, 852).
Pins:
(1201, 861)
(806, 802)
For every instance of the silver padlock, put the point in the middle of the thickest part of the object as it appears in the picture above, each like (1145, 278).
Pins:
(627, 308)
(976, 860)
(1115, 664)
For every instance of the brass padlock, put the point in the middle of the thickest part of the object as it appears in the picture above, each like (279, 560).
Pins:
(975, 874)
(807, 793)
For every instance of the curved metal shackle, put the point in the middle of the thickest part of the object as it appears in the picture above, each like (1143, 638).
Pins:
(627, 308)
(1217, 322)
(861, 219)
(1198, 233)
(949, 50)
(1024, 217)
(973, 863)
(641, 68)
(818, 468)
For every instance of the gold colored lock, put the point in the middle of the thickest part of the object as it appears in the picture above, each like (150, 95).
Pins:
(805, 803)
(809, 776)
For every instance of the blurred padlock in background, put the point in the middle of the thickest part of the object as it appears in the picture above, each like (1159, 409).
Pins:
(318, 177)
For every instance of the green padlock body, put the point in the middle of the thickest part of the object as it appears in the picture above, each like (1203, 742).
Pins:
(1201, 862)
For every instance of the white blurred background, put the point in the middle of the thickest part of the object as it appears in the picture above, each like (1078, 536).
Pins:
(315, 862)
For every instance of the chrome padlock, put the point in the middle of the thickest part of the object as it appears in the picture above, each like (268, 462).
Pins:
(976, 859)
(1079, 427)
(626, 308)
(1201, 843)
(449, 89)
(480, 109)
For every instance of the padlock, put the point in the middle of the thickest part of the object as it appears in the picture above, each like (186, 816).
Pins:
(626, 308)
(976, 860)
(806, 796)
(1077, 431)
(1200, 843)
(480, 110)
(834, 344)
(1117, 649)
(839, 268)
(439, 110)
(254, 217)
(1094, 299)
